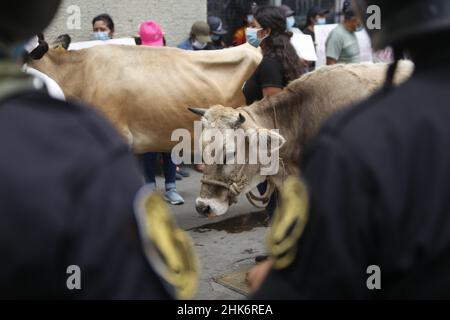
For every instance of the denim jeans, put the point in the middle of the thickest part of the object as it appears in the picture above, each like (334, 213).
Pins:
(148, 161)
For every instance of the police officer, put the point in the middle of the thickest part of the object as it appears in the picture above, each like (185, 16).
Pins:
(67, 185)
(378, 178)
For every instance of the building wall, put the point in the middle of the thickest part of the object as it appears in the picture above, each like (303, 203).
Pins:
(175, 17)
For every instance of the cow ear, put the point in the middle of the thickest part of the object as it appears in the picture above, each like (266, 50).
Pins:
(272, 138)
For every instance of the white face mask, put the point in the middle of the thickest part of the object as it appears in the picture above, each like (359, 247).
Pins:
(199, 45)
(321, 21)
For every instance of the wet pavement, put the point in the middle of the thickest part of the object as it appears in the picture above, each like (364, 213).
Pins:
(237, 224)
(223, 244)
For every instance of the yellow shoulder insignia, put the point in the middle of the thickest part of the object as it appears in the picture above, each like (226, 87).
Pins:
(168, 248)
(289, 223)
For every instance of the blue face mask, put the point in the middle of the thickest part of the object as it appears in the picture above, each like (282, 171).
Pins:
(252, 37)
(102, 36)
(290, 21)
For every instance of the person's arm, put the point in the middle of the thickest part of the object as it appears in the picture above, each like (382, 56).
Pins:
(333, 48)
(271, 91)
(334, 252)
(331, 61)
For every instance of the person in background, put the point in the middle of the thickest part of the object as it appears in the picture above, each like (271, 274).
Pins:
(316, 16)
(279, 66)
(290, 22)
(342, 44)
(199, 37)
(217, 32)
(290, 18)
(152, 35)
(239, 35)
(103, 27)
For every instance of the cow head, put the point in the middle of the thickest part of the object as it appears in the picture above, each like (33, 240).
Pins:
(238, 156)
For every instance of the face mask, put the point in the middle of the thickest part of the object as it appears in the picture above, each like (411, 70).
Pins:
(290, 22)
(321, 21)
(252, 36)
(250, 18)
(360, 27)
(102, 36)
(199, 45)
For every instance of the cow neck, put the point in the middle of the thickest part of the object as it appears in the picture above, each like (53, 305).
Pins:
(263, 114)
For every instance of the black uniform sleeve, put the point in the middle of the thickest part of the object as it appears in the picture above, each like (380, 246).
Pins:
(271, 73)
(332, 256)
(108, 248)
(68, 182)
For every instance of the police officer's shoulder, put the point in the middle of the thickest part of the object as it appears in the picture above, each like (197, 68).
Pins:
(368, 116)
(69, 123)
(350, 131)
(389, 119)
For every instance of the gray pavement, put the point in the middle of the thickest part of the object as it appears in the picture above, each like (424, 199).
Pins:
(223, 244)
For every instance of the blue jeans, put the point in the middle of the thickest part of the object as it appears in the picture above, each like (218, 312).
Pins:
(148, 161)
(272, 205)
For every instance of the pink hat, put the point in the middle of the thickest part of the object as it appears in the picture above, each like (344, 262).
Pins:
(151, 34)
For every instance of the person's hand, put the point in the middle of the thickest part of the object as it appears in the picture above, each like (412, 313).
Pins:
(257, 275)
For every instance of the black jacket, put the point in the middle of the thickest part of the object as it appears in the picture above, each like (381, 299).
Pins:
(67, 184)
(379, 181)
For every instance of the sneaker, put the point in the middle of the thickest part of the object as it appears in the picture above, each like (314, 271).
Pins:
(173, 197)
(184, 173)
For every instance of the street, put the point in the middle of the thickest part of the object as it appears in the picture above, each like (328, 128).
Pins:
(226, 246)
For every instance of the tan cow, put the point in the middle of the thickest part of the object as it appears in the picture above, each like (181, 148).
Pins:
(297, 112)
(145, 91)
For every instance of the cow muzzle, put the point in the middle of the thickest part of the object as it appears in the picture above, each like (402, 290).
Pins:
(211, 207)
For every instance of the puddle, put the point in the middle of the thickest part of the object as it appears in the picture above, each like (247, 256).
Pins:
(238, 224)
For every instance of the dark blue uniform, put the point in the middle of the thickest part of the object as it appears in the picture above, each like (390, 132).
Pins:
(378, 176)
(67, 185)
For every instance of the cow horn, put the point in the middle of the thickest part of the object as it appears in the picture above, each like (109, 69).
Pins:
(198, 111)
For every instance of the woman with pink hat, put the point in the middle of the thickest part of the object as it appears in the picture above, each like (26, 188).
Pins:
(152, 35)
